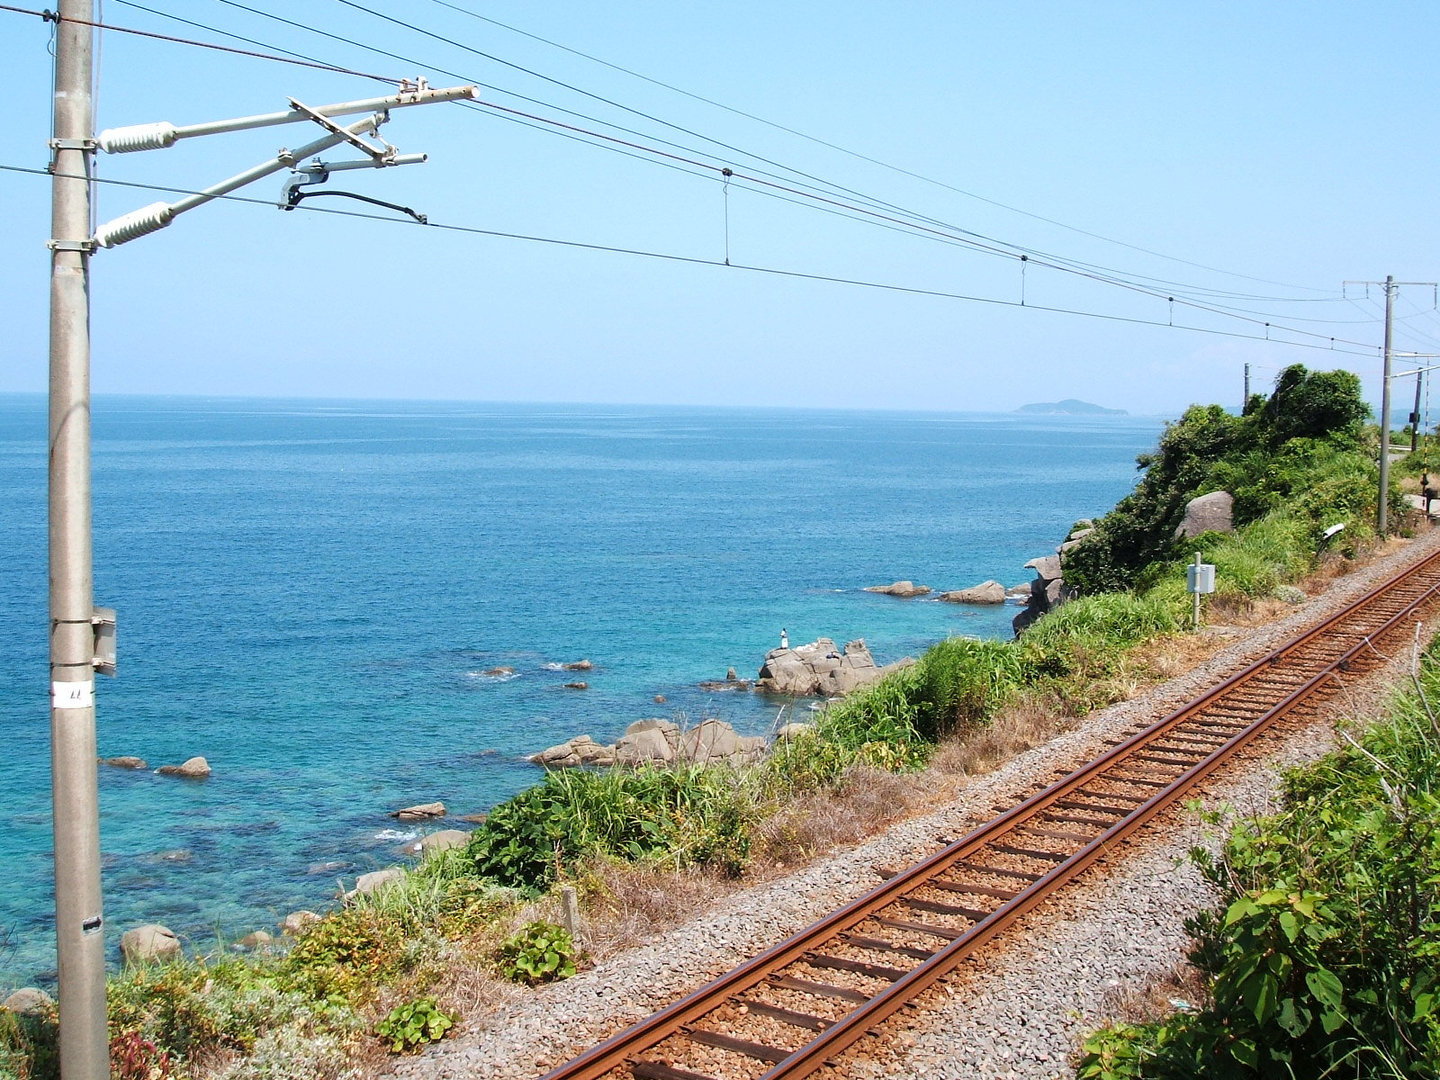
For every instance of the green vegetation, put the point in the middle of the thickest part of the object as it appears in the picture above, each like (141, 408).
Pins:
(1323, 957)
(413, 1025)
(538, 953)
(1300, 458)
(378, 967)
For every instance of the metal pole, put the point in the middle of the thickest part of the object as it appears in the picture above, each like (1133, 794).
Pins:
(1415, 414)
(1385, 412)
(1197, 591)
(1245, 401)
(80, 937)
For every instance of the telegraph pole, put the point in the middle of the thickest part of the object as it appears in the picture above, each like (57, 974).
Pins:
(1385, 411)
(79, 927)
(1391, 286)
(1415, 413)
(1245, 398)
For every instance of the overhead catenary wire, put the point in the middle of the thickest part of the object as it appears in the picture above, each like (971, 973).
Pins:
(1188, 294)
(1190, 291)
(866, 157)
(51, 16)
(965, 237)
(773, 271)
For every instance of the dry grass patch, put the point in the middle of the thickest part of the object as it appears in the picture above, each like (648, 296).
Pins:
(623, 905)
(1182, 987)
(1174, 655)
(1022, 724)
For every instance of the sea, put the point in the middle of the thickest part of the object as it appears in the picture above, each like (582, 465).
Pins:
(348, 607)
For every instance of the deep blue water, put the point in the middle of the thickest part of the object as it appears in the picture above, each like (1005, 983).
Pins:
(309, 594)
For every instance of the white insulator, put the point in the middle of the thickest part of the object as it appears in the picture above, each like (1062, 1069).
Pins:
(140, 222)
(126, 140)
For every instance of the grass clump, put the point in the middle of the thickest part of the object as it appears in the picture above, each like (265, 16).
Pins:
(1323, 956)
(693, 815)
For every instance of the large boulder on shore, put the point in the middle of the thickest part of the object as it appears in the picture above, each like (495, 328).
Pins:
(148, 943)
(647, 741)
(29, 1001)
(818, 669)
(1207, 513)
(443, 840)
(376, 880)
(987, 592)
(420, 811)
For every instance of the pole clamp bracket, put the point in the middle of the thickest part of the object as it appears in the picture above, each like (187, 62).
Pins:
(85, 247)
(87, 145)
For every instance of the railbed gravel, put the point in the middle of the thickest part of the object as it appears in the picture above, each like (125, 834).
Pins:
(1018, 1009)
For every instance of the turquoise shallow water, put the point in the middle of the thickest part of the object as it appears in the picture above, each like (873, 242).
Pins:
(310, 592)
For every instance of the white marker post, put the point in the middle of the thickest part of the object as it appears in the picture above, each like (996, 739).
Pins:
(1199, 579)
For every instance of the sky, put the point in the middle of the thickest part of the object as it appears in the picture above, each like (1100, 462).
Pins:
(1245, 160)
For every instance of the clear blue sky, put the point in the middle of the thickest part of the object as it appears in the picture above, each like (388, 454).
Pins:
(1290, 144)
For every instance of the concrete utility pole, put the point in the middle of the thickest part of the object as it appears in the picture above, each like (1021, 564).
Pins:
(1415, 413)
(1245, 399)
(1385, 411)
(79, 927)
(1391, 286)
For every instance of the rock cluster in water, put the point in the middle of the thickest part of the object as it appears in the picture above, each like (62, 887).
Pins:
(659, 742)
(820, 669)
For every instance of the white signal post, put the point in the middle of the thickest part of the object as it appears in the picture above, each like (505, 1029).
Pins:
(82, 636)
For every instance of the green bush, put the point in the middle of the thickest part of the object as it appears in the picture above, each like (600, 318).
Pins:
(414, 1024)
(29, 1047)
(1300, 451)
(538, 953)
(962, 681)
(1324, 956)
(691, 816)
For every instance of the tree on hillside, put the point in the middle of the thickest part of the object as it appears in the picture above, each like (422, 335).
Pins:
(1268, 457)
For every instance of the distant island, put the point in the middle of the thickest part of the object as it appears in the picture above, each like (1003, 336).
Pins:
(1070, 407)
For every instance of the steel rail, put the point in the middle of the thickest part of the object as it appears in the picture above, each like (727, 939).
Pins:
(621, 1049)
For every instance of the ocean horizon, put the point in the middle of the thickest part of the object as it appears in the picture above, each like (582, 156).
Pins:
(319, 596)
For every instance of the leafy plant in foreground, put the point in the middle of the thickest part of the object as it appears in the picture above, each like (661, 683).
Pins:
(412, 1025)
(540, 952)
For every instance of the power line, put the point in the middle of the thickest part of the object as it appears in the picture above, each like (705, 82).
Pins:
(772, 271)
(50, 16)
(913, 227)
(1194, 296)
(861, 156)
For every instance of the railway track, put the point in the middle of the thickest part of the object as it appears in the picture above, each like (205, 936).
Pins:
(790, 1010)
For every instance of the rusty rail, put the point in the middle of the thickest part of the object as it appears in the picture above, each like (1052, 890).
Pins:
(921, 922)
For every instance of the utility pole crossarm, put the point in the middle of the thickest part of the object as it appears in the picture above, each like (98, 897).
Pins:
(127, 140)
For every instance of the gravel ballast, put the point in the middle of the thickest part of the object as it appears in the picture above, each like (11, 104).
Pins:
(1019, 1007)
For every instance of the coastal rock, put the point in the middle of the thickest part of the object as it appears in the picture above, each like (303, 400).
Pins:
(420, 812)
(578, 665)
(1019, 592)
(792, 731)
(1207, 513)
(258, 939)
(499, 672)
(577, 686)
(711, 740)
(196, 768)
(443, 840)
(644, 744)
(903, 589)
(726, 684)
(818, 669)
(581, 750)
(987, 592)
(375, 881)
(29, 1001)
(148, 943)
(125, 762)
(294, 924)
(1046, 566)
